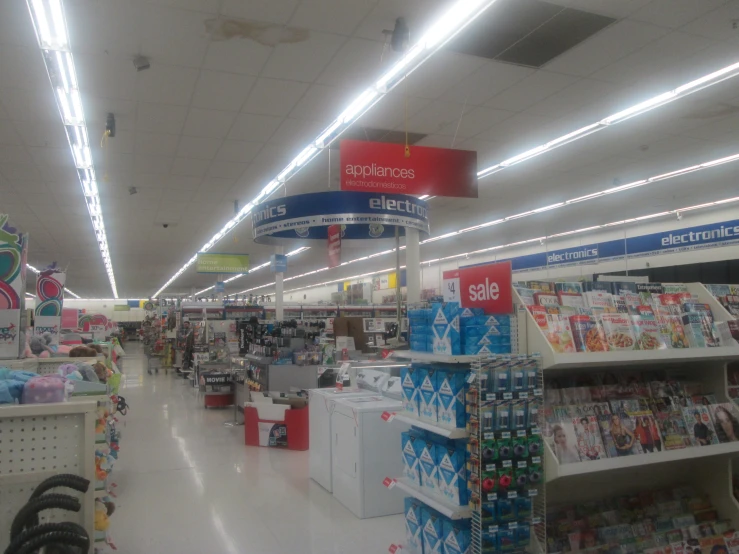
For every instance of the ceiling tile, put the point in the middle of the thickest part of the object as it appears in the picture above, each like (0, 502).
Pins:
(226, 170)
(297, 133)
(254, 128)
(209, 123)
(166, 84)
(238, 151)
(20, 65)
(391, 111)
(157, 144)
(114, 24)
(675, 13)
(434, 117)
(330, 16)
(322, 103)
(237, 55)
(303, 61)
(162, 118)
(105, 76)
(475, 121)
(274, 97)
(223, 91)
(531, 90)
(205, 6)
(20, 172)
(611, 8)
(260, 10)
(491, 79)
(203, 148)
(355, 65)
(146, 163)
(443, 71)
(172, 36)
(52, 156)
(34, 133)
(716, 24)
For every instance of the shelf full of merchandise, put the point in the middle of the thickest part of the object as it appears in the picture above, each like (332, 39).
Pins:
(708, 468)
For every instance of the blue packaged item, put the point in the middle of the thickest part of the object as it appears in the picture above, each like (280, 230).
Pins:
(503, 415)
(451, 398)
(428, 394)
(445, 328)
(523, 535)
(452, 473)
(409, 385)
(487, 350)
(489, 320)
(457, 537)
(413, 519)
(410, 457)
(433, 531)
(523, 507)
(507, 540)
(428, 467)
(466, 314)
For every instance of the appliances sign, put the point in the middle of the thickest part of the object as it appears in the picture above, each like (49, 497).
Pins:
(383, 167)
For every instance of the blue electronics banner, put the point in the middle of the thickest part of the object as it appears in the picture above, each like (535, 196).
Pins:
(362, 215)
(711, 235)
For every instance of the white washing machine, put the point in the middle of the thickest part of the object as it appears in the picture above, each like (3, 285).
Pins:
(320, 406)
(365, 450)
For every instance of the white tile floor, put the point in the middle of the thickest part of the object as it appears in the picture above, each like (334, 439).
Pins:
(188, 484)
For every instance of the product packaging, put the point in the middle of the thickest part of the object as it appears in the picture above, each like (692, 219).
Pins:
(587, 333)
(445, 328)
(428, 394)
(413, 538)
(429, 468)
(452, 469)
(409, 383)
(451, 398)
(618, 332)
(410, 457)
(457, 537)
(433, 531)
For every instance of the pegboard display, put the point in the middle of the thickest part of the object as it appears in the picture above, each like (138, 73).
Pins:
(47, 366)
(38, 441)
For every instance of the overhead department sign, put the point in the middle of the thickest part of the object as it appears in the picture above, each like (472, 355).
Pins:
(222, 263)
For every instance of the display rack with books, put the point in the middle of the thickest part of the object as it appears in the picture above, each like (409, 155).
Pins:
(619, 420)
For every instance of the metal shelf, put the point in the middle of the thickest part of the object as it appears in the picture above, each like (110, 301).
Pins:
(262, 360)
(460, 433)
(443, 507)
(431, 357)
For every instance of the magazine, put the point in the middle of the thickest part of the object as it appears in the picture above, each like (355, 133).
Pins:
(672, 428)
(675, 288)
(559, 333)
(672, 331)
(540, 316)
(569, 287)
(645, 291)
(588, 334)
(589, 443)
(700, 426)
(527, 295)
(617, 433)
(725, 419)
(647, 431)
(629, 405)
(540, 286)
(572, 299)
(546, 299)
(590, 409)
(619, 302)
(731, 538)
(647, 333)
(565, 442)
(617, 330)
(703, 399)
(598, 299)
(624, 287)
(731, 303)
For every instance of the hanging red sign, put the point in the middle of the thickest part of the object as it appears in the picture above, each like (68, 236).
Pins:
(488, 287)
(334, 245)
(383, 167)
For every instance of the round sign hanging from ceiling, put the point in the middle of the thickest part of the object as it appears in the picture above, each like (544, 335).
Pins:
(362, 215)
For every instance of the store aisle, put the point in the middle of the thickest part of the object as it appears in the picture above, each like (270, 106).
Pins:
(187, 484)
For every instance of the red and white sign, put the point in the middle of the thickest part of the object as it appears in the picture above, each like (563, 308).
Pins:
(334, 245)
(383, 167)
(488, 287)
(450, 286)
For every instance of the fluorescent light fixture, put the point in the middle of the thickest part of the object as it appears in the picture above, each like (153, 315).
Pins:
(53, 38)
(306, 155)
(423, 197)
(31, 295)
(661, 99)
(461, 14)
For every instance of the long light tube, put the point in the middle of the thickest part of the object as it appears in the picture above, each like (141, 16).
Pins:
(456, 18)
(52, 34)
(637, 109)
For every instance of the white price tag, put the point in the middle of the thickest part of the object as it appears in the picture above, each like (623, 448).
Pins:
(450, 286)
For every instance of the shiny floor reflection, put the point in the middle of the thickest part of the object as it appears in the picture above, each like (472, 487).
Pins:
(187, 484)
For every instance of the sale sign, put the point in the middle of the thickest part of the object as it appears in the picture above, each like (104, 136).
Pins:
(384, 167)
(334, 245)
(488, 287)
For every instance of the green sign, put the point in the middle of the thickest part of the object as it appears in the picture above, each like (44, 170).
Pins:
(121, 308)
(222, 263)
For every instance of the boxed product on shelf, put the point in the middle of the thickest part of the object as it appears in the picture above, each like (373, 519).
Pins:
(409, 379)
(432, 530)
(413, 522)
(428, 389)
(457, 536)
(412, 444)
(428, 466)
(445, 328)
(451, 398)
(452, 462)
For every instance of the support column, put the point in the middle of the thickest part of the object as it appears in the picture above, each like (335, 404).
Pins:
(279, 311)
(412, 265)
(219, 294)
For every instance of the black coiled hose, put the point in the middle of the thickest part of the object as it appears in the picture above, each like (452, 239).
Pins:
(46, 529)
(29, 513)
(54, 538)
(68, 480)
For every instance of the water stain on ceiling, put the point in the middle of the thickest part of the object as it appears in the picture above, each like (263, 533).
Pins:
(267, 34)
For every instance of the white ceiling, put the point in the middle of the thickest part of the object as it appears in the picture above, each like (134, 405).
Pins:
(213, 120)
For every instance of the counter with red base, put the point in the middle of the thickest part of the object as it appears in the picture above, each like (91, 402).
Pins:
(218, 399)
(276, 425)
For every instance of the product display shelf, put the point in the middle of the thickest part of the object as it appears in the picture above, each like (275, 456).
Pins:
(444, 508)
(705, 296)
(261, 360)
(445, 432)
(67, 429)
(47, 366)
(431, 357)
(707, 468)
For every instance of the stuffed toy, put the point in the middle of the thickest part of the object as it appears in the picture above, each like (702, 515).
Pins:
(39, 345)
(82, 352)
(101, 371)
(87, 372)
(65, 369)
(101, 516)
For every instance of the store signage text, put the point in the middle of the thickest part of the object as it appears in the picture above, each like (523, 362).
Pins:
(488, 287)
(384, 167)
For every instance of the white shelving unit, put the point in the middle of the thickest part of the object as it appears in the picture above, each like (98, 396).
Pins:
(445, 432)
(67, 432)
(431, 357)
(445, 508)
(708, 468)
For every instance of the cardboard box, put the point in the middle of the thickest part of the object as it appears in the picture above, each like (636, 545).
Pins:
(428, 388)
(433, 531)
(451, 398)
(413, 538)
(409, 383)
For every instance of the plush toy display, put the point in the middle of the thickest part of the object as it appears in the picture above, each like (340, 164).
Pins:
(82, 352)
(101, 516)
(101, 371)
(39, 345)
(44, 389)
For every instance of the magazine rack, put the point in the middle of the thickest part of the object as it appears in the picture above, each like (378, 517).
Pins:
(708, 468)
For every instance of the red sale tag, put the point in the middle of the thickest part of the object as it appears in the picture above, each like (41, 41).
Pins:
(389, 482)
(394, 548)
(387, 353)
(388, 416)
